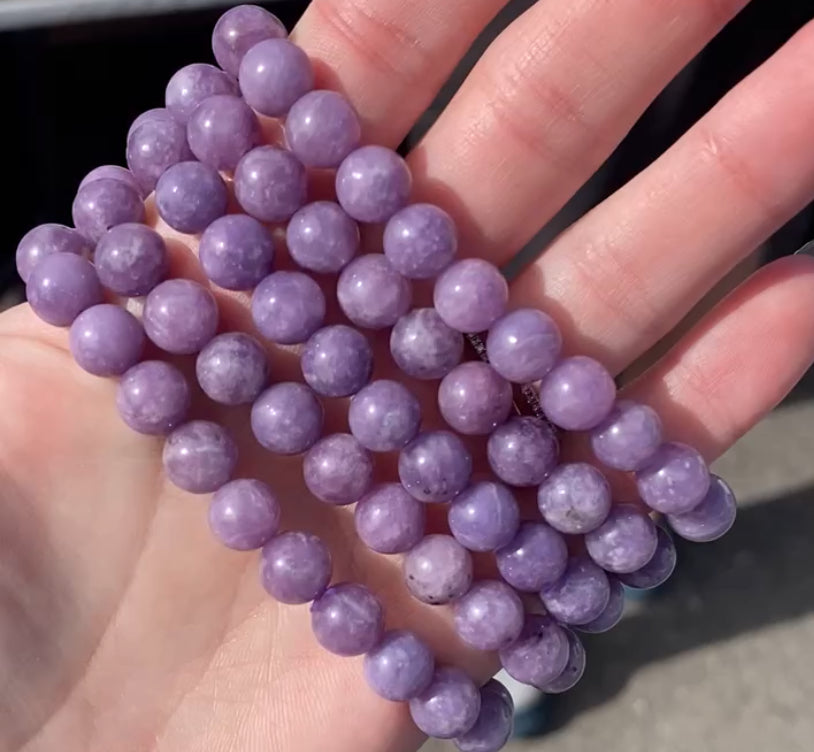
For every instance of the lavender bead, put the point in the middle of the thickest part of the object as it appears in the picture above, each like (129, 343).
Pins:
(438, 570)
(580, 595)
(232, 369)
(199, 456)
(106, 340)
(524, 345)
(575, 498)
(244, 514)
(523, 451)
(338, 469)
(471, 295)
(322, 128)
(156, 143)
(573, 670)
(61, 286)
(474, 399)
(675, 480)
(540, 653)
(131, 259)
(180, 316)
(270, 184)
(295, 567)
(489, 616)
(628, 437)
(238, 30)
(577, 394)
(153, 397)
(221, 129)
(288, 307)
(658, 570)
(535, 557)
(423, 346)
(400, 667)
(45, 240)
(710, 519)
(435, 466)
(161, 114)
(337, 361)
(192, 84)
(624, 542)
(484, 517)
(347, 619)
(322, 238)
(103, 204)
(420, 241)
(449, 707)
(384, 416)
(113, 172)
(495, 721)
(236, 252)
(273, 75)
(371, 293)
(612, 614)
(287, 418)
(190, 196)
(373, 183)
(389, 520)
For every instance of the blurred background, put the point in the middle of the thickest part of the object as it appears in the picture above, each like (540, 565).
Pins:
(721, 659)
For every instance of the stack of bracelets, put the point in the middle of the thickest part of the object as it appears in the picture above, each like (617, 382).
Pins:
(576, 559)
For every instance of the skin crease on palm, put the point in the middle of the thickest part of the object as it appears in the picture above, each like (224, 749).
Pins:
(124, 626)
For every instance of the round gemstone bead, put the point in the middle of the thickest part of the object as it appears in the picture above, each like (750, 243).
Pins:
(221, 129)
(577, 394)
(338, 469)
(438, 570)
(710, 519)
(322, 238)
(628, 437)
(347, 619)
(389, 520)
(575, 498)
(180, 316)
(287, 418)
(322, 128)
(371, 293)
(238, 30)
(113, 172)
(103, 204)
(155, 143)
(200, 456)
(61, 286)
(423, 346)
(574, 668)
(524, 345)
(337, 361)
(523, 451)
(474, 399)
(495, 721)
(273, 75)
(288, 307)
(400, 667)
(270, 184)
(435, 466)
(106, 340)
(295, 567)
(449, 707)
(471, 295)
(535, 557)
(190, 196)
(236, 252)
(489, 616)
(658, 570)
(192, 84)
(155, 114)
(484, 517)
(131, 259)
(373, 183)
(384, 416)
(232, 369)
(624, 542)
(420, 241)
(153, 397)
(675, 480)
(45, 240)
(580, 595)
(612, 614)
(244, 514)
(540, 653)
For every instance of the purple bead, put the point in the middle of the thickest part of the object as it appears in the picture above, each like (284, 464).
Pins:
(535, 557)
(575, 498)
(180, 316)
(658, 570)
(337, 361)
(61, 286)
(371, 293)
(373, 183)
(400, 667)
(238, 30)
(288, 307)
(524, 345)
(389, 520)
(160, 114)
(103, 204)
(612, 614)
(131, 259)
(338, 469)
(523, 451)
(449, 707)
(540, 653)
(295, 567)
(438, 570)
(106, 340)
(192, 84)
(384, 416)
(474, 399)
(577, 394)
(322, 238)
(471, 295)
(489, 616)
(270, 184)
(153, 397)
(580, 595)
(710, 519)
(423, 346)
(322, 128)
(190, 196)
(628, 437)
(232, 369)
(347, 619)
(675, 480)
(221, 129)
(156, 143)
(45, 240)
(624, 542)
(273, 75)
(113, 172)
(495, 721)
(236, 252)
(573, 670)
(200, 456)
(287, 418)
(244, 514)
(435, 466)
(420, 241)
(484, 517)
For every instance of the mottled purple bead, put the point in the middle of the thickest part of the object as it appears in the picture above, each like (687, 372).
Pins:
(489, 616)
(420, 241)
(371, 293)
(337, 361)
(523, 451)
(156, 143)
(236, 252)
(535, 557)
(238, 30)
(575, 498)
(373, 183)
(624, 542)
(658, 570)
(438, 570)
(524, 345)
(389, 520)
(675, 480)
(295, 567)
(106, 340)
(190, 196)
(577, 394)
(45, 240)
(423, 346)
(199, 456)
(322, 238)
(153, 397)
(288, 307)
(113, 172)
(322, 128)
(244, 514)
(347, 619)
(539, 654)
(287, 418)
(449, 707)
(495, 721)
(435, 466)
(192, 84)
(580, 595)
(710, 519)
(156, 113)
(471, 295)
(232, 369)
(384, 416)
(474, 399)
(273, 75)
(484, 517)
(103, 204)
(338, 469)
(574, 668)
(221, 129)
(61, 286)
(131, 259)
(612, 614)
(180, 316)
(270, 184)
(628, 437)
(400, 667)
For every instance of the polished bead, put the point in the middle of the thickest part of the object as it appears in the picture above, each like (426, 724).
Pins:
(658, 570)
(288, 307)
(423, 346)
(710, 519)
(155, 114)
(232, 369)
(221, 129)
(131, 259)
(435, 466)
(106, 340)
(322, 238)
(61, 286)
(199, 456)
(190, 196)
(474, 399)
(347, 619)
(338, 469)
(389, 520)
(580, 595)
(322, 128)
(489, 616)
(113, 172)
(157, 142)
(244, 514)
(371, 293)
(153, 397)
(612, 614)
(628, 437)
(270, 184)
(287, 418)
(484, 517)
(192, 84)
(420, 241)
(674, 480)
(180, 316)
(273, 75)
(45, 240)
(384, 416)
(438, 570)
(471, 295)
(236, 252)
(373, 183)
(577, 394)
(624, 542)
(540, 653)
(295, 567)
(103, 204)
(337, 361)
(575, 498)
(400, 667)
(523, 451)
(495, 721)
(449, 707)
(238, 30)
(524, 345)
(574, 668)
(535, 557)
